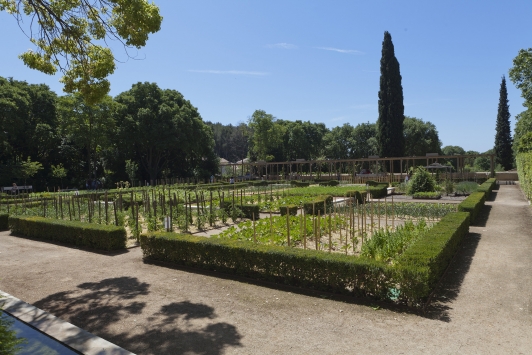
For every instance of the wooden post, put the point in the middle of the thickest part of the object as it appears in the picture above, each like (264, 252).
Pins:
(106, 209)
(271, 226)
(69, 213)
(288, 226)
(330, 235)
(254, 231)
(393, 215)
(304, 214)
(115, 208)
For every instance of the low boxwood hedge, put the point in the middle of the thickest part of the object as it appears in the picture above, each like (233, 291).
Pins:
(332, 272)
(360, 196)
(380, 191)
(4, 222)
(488, 186)
(318, 205)
(85, 235)
(473, 204)
(421, 266)
(410, 278)
(292, 209)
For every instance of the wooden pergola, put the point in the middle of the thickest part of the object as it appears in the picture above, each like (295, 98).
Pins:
(302, 169)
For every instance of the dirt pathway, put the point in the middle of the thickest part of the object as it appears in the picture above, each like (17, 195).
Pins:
(482, 305)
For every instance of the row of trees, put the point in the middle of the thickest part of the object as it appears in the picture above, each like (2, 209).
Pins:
(144, 133)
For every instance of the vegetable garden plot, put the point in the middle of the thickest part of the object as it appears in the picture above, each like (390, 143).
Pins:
(375, 230)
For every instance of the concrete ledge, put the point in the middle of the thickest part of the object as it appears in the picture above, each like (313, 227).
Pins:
(67, 333)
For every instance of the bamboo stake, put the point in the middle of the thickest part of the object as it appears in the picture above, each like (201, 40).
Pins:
(271, 227)
(319, 231)
(210, 210)
(254, 231)
(288, 226)
(106, 209)
(115, 211)
(393, 215)
(304, 214)
(330, 235)
(69, 213)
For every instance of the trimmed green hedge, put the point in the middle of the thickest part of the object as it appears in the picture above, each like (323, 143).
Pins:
(332, 272)
(359, 195)
(488, 186)
(421, 266)
(380, 191)
(4, 226)
(317, 205)
(411, 278)
(247, 210)
(86, 235)
(292, 209)
(524, 171)
(473, 204)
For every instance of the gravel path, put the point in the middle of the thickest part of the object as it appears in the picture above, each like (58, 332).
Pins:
(482, 305)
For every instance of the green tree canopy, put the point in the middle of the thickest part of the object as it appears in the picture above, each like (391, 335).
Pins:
(420, 137)
(163, 131)
(266, 135)
(67, 35)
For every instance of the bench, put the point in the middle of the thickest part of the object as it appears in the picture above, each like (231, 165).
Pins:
(9, 189)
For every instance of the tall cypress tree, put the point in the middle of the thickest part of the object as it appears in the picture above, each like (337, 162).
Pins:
(503, 138)
(391, 109)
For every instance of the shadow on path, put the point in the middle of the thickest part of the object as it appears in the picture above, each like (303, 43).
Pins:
(109, 309)
(449, 288)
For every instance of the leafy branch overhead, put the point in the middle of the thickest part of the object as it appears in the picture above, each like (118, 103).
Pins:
(68, 36)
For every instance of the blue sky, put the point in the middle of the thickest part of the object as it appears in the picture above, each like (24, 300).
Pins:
(319, 60)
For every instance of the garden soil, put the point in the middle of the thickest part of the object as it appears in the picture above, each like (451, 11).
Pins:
(482, 305)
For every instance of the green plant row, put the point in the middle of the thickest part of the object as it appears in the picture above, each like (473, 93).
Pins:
(4, 222)
(420, 267)
(524, 171)
(296, 183)
(330, 183)
(427, 195)
(85, 235)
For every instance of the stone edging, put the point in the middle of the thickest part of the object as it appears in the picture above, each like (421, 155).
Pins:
(67, 333)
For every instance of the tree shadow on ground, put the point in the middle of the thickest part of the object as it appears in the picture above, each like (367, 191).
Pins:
(449, 287)
(108, 308)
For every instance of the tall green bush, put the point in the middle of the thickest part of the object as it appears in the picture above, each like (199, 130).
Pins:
(421, 181)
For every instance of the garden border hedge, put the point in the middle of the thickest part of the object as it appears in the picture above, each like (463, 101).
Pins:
(473, 204)
(414, 274)
(86, 235)
(317, 205)
(292, 209)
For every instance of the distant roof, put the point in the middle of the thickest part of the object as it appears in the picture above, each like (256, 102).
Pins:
(224, 161)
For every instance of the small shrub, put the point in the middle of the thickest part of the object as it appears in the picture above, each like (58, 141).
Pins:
(421, 181)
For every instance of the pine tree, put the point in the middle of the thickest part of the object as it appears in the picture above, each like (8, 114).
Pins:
(503, 138)
(391, 109)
